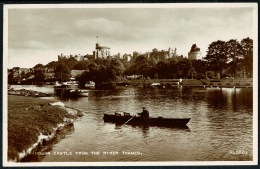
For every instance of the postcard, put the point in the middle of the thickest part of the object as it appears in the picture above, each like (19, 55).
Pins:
(130, 84)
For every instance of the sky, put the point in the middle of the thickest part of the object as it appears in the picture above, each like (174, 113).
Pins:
(39, 35)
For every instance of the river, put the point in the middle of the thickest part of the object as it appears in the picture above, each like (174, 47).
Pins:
(220, 128)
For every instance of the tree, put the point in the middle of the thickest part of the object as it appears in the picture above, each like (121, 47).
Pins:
(162, 69)
(154, 54)
(200, 68)
(23, 74)
(51, 65)
(104, 71)
(235, 55)
(61, 72)
(82, 65)
(117, 68)
(183, 68)
(162, 55)
(38, 75)
(172, 67)
(39, 66)
(10, 76)
(247, 47)
(135, 68)
(83, 78)
(143, 66)
(70, 62)
(217, 56)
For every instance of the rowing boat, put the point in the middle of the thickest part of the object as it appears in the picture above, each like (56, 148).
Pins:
(118, 118)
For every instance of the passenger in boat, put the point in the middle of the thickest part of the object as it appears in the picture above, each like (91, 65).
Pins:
(145, 113)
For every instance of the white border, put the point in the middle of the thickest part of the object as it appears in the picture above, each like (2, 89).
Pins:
(132, 5)
(168, 5)
(5, 82)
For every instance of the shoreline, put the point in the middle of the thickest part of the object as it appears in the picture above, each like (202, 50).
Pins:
(34, 123)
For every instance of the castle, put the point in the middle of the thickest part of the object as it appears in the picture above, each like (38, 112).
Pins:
(104, 52)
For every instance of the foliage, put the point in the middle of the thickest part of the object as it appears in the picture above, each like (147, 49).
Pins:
(217, 56)
(230, 58)
(39, 66)
(38, 75)
(52, 65)
(235, 55)
(70, 63)
(184, 68)
(247, 47)
(81, 65)
(61, 72)
(102, 71)
(10, 75)
(141, 66)
(162, 69)
(199, 69)
(84, 78)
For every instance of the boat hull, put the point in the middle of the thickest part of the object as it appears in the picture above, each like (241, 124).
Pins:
(167, 122)
(83, 94)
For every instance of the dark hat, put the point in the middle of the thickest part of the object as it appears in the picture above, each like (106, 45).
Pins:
(143, 107)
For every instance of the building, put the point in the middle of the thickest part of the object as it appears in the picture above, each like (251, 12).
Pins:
(172, 52)
(127, 57)
(101, 51)
(119, 56)
(194, 53)
(135, 55)
(78, 57)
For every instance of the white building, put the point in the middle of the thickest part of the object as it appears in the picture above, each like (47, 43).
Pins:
(101, 51)
(194, 53)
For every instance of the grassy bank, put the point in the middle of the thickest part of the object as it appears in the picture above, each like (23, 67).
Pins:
(27, 118)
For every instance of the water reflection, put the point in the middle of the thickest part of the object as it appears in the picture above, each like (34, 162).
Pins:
(221, 120)
(145, 128)
(231, 99)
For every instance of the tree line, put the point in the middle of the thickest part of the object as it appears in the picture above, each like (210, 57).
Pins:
(223, 59)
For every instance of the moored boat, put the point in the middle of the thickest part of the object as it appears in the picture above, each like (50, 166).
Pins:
(69, 89)
(90, 85)
(126, 118)
(82, 93)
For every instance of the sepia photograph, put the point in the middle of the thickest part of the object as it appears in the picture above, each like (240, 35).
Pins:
(130, 84)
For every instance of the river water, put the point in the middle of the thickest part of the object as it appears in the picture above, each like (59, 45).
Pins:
(220, 128)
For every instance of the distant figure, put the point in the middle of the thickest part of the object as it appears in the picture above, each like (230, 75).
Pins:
(145, 113)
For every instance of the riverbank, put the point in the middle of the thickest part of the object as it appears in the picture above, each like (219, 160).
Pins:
(33, 122)
(168, 83)
(24, 92)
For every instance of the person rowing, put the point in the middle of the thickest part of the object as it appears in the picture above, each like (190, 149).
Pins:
(144, 113)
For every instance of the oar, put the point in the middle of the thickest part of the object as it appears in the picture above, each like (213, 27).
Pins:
(128, 120)
(125, 123)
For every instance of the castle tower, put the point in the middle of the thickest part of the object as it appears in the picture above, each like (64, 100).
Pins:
(101, 51)
(194, 53)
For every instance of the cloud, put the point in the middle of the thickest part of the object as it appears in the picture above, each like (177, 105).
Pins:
(73, 31)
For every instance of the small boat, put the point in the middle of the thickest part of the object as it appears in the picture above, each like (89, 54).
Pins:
(155, 84)
(82, 93)
(126, 118)
(90, 85)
